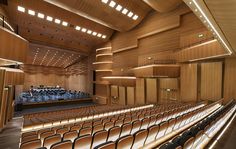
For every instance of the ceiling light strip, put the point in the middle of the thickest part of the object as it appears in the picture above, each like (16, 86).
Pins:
(209, 22)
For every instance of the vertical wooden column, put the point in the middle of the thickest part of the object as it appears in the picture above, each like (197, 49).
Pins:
(140, 91)
(151, 90)
(130, 95)
(2, 99)
(108, 94)
(122, 95)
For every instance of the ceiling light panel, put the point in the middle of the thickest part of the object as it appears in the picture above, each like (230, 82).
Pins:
(65, 23)
(21, 9)
(57, 21)
(40, 15)
(31, 12)
(49, 18)
(120, 9)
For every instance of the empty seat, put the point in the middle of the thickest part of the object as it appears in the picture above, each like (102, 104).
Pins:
(162, 129)
(71, 135)
(159, 118)
(83, 142)
(125, 142)
(31, 144)
(43, 130)
(135, 126)
(108, 125)
(152, 121)
(99, 138)
(28, 134)
(114, 133)
(145, 123)
(97, 128)
(76, 127)
(171, 124)
(198, 138)
(139, 138)
(125, 129)
(152, 132)
(118, 122)
(50, 140)
(62, 145)
(61, 131)
(85, 131)
(107, 145)
(177, 122)
(46, 134)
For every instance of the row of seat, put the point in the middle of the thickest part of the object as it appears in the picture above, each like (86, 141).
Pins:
(115, 132)
(108, 122)
(38, 120)
(200, 134)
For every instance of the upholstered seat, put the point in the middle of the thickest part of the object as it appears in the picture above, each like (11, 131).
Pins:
(31, 144)
(50, 140)
(83, 142)
(99, 138)
(62, 145)
(125, 142)
(139, 138)
(114, 133)
(71, 135)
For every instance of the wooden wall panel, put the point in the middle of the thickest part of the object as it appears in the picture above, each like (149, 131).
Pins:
(122, 95)
(130, 95)
(230, 79)
(77, 82)
(211, 81)
(13, 47)
(151, 90)
(188, 82)
(140, 91)
(171, 83)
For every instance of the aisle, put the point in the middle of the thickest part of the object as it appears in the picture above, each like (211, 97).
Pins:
(10, 135)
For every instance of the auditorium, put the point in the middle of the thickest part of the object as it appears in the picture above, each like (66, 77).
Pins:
(117, 74)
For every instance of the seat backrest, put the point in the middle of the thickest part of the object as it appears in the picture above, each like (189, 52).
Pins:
(108, 125)
(85, 131)
(119, 122)
(145, 123)
(61, 131)
(126, 129)
(99, 138)
(50, 140)
(46, 134)
(71, 135)
(43, 130)
(114, 133)
(152, 132)
(139, 138)
(107, 145)
(171, 124)
(97, 128)
(152, 120)
(135, 126)
(159, 119)
(76, 127)
(62, 145)
(56, 127)
(125, 142)
(28, 134)
(162, 129)
(83, 142)
(31, 144)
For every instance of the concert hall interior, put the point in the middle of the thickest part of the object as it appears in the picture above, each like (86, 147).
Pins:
(117, 74)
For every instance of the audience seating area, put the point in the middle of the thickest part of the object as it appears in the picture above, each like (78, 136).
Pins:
(130, 129)
(49, 94)
(199, 135)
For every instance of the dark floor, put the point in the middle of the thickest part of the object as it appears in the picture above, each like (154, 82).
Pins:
(51, 108)
(10, 135)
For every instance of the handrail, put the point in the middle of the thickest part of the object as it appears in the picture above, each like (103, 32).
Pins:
(4, 22)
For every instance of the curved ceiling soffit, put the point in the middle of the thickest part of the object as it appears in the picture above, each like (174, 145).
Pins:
(103, 14)
(163, 5)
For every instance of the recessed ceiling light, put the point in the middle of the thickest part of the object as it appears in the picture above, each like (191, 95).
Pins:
(84, 29)
(94, 33)
(124, 11)
(64, 23)
(57, 21)
(118, 7)
(89, 31)
(99, 35)
(130, 14)
(40, 15)
(31, 12)
(135, 17)
(149, 58)
(190, 3)
(77, 28)
(49, 18)
(195, 10)
(105, 1)
(112, 4)
(21, 9)
(104, 36)
(200, 35)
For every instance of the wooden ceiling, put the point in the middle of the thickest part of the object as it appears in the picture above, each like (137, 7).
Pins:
(224, 14)
(39, 30)
(102, 13)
